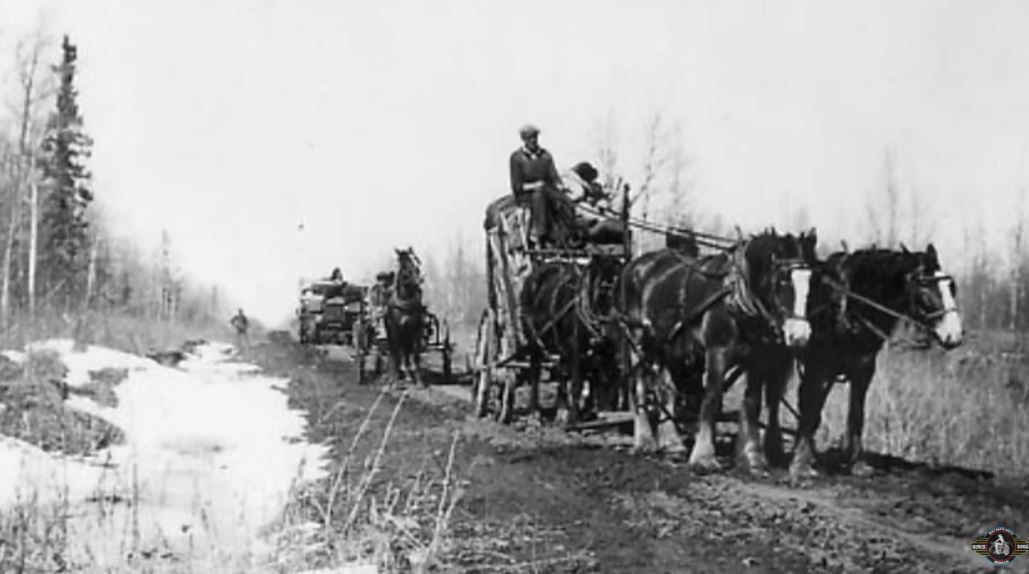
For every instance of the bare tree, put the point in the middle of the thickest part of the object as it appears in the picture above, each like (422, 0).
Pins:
(654, 160)
(607, 153)
(885, 208)
(678, 188)
(1018, 255)
(29, 54)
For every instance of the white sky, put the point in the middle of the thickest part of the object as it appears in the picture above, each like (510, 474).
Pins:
(389, 123)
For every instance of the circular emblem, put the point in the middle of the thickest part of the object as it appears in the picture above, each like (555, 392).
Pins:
(1000, 546)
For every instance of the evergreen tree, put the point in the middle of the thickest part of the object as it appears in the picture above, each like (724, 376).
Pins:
(64, 229)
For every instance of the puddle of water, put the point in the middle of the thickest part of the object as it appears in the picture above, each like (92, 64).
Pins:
(211, 453)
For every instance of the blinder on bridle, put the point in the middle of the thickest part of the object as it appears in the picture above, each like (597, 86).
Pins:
(782, 272)
(926, 286)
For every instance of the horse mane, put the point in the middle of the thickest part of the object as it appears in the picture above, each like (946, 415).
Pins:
(883, 262)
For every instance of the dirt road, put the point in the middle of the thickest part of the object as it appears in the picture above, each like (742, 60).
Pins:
(540, 500)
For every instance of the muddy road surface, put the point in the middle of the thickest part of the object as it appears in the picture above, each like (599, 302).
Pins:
(539, 500)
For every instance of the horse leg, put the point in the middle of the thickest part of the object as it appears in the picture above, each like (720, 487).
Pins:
(668, 438)
(643, 439)
(814, 388)
(393, 346)
(575, 386)
(747, 443)
(417, 357)
(404, 364)
(860, 379)
(703, 456)
(507, 398)
(775, 385)
(534, 375)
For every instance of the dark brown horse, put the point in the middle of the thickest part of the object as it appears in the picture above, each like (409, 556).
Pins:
(564, 305)
(684, 315)
(864, 297)
(405, 318)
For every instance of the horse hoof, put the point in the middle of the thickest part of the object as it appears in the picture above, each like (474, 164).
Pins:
(705, 464)
(644, 447)
(563, 418)
(757, 469)
(861, 469)
(804, 470)
(674, 448)
(753, 461)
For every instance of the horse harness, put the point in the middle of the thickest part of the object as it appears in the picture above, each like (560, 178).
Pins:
(580, 304)
(916, 276)
(737, 290)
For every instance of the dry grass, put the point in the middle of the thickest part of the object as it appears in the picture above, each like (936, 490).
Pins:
(355, 516)
(34, 410)
(121, 331)
(968, 407)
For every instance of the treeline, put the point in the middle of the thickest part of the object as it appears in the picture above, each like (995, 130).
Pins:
(455, 287)
(60, 255)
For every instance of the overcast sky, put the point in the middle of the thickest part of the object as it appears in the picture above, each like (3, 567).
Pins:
(385, 123)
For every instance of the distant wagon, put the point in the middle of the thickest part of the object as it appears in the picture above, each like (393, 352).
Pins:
(372, 341)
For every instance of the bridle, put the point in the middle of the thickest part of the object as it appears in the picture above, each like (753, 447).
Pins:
(927, 284)
(785, 268)
(924, 284)
(750, 303)
(406, 283)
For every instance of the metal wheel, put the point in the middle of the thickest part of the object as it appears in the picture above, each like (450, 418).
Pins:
(359, 345)
(448, 367)
(485, 356)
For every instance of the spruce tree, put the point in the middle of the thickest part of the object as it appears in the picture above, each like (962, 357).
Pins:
(66, 181)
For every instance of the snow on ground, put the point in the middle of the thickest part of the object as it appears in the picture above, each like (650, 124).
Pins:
(212, 450)
(91, 359)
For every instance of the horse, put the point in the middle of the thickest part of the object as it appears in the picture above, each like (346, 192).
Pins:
(868, 293)
(405, 317)
(563, 308)
(681, 315)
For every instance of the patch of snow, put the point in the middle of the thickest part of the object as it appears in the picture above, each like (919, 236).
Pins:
(16, 356)
(212, 450)
(92, 358)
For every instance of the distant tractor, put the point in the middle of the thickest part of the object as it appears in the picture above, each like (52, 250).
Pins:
(329, 313)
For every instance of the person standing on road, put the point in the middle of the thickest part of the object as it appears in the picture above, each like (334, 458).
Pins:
(241, 324)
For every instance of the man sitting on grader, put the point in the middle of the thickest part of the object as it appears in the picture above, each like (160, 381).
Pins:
(536, 185)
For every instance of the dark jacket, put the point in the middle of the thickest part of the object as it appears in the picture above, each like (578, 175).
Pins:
(528, 167)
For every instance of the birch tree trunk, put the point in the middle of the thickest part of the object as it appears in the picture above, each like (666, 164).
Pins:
(5, 294)
(1016, 271)
(91, 273)
(33, 246)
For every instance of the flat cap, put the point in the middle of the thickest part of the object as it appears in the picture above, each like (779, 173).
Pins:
(528, 130)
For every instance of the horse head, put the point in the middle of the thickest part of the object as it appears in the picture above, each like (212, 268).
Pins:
(408, 278)
(932, 296)
(907, 284)
(779, 277)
